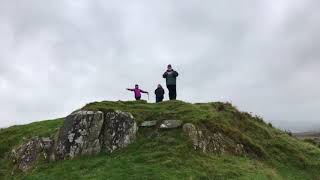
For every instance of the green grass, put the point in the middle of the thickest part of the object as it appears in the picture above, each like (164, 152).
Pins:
(169, 154)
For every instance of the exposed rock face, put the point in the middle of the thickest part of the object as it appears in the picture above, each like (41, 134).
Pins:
(119, 130)
(80, 134)
(207, 141)
(148, 124)
(48, 148)
(171, 124)
(28, 154)
(193, 134)
(88, 132)
(83, 133)
(200, 141)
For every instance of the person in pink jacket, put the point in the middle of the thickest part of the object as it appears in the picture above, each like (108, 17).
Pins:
(137, 92)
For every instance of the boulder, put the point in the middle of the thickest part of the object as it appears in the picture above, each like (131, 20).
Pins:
(148, 124)
(171, 124)
(26, 156)
(80, 134)
(119, 130)
(90, 132)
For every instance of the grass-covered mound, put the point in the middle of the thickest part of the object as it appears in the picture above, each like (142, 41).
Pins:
(170, 154)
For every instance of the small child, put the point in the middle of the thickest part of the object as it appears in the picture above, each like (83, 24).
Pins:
(137, 92)
(159, 94)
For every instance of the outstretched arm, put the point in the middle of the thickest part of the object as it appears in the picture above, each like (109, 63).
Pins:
(144, 91)
(130, 89)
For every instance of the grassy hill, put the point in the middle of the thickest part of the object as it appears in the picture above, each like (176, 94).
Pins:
(169, 154)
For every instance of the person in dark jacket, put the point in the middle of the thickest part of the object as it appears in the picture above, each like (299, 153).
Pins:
(171, 79)
(159, 94)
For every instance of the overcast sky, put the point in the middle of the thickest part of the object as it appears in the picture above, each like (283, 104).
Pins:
(58, 55)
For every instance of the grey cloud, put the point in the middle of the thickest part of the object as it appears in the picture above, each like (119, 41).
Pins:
(55, 56)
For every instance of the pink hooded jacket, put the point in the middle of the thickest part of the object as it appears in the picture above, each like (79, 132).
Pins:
(137, 92)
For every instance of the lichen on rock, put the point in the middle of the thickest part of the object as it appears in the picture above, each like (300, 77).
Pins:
(79, 134)
(90, 132)
(26, 156)
(214, 142)
(119, 130)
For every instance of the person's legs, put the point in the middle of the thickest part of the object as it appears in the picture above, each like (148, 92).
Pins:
(174, 92)
(170, 91)
(138, 98)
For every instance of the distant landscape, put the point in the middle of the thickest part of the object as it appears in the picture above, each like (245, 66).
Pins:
(309, 135)
(312, 137)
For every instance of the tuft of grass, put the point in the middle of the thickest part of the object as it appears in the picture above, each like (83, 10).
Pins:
(312, 141)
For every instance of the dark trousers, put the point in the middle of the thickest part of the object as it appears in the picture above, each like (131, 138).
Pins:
(172, 92)
(138, 98)
(159, 99)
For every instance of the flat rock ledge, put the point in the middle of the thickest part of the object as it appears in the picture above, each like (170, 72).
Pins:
(171, 124)
(148, 124)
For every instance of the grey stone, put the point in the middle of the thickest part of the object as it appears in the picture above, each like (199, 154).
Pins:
(88, 132)
(79, 134)
(239, 149)
(26, 156)
(207, 141)
(48, 148)
(171, 124)
(148, 124)
(192, 133)
(119, 130)
(83, 133)
(204, 140)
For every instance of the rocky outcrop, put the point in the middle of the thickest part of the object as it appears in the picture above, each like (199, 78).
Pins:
(83, 133)
(92, 132)
(202, 141)
(119, 130)
(214, 142)
(193, 134)
(171, 124)
(80, 134)
(28, 154)
(88, 132)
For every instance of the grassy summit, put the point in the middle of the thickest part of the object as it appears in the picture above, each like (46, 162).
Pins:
(169, 154)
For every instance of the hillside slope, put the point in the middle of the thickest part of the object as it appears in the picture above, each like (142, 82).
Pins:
(169, 154)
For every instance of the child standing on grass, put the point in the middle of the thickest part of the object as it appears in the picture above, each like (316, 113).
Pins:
(159, 94)
(137, 92)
